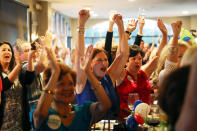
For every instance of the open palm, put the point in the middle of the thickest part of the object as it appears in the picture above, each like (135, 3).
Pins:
(132, 24)
(87, 59)
(17, 56)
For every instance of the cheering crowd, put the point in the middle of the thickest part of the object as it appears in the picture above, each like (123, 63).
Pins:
(40, 91)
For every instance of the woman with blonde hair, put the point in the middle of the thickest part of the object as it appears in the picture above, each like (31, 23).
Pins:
(165, 65)
(189, 56)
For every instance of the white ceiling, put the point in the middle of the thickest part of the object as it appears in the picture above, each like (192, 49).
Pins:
(153, 8)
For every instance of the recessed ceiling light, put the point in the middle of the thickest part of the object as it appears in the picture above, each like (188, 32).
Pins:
(185, 12)
(131, 0)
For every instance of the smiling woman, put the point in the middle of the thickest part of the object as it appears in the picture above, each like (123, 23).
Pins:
(6, 56)
(54, 111)
(11, 109)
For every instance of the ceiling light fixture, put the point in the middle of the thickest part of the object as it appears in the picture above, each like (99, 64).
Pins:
(131, 0)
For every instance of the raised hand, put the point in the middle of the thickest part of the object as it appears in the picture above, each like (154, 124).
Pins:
(111, 16)
(42, 62)
(66, 51)
(118, 19)
(83, 17)
(14, 73)
(17, 56)
(158, 39)
(87, 59)
(31, 58)
(161, 26)
(52, 60)
(111, 21)
(32, 54)
(132, 24)
(176, 27)
(48, 37)
(46, 40)
(38, 46)
(141, 21)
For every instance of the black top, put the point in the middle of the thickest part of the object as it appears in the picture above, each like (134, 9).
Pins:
(108, 45)
(138, 40)
(6, 86)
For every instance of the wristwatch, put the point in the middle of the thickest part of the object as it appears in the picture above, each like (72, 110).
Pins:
(129, 33)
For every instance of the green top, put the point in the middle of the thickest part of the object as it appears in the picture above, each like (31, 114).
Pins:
(81, 121)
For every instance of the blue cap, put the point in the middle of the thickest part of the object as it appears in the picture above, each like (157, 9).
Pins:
(186, 38)
(136, 103)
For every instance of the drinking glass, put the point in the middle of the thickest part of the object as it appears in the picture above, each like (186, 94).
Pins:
(152, 99)
(142, 13)
(153, 118)
(132, 97)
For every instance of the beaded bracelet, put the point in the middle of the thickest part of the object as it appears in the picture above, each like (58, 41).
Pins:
(49, 92)
(81, 30)
(173, 50)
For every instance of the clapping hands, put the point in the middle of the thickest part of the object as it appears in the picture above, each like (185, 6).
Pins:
(176, 27)
(17, 56)
(87, 59)
(161, 26)
(46, 40)
(52, 60)
(118, 19)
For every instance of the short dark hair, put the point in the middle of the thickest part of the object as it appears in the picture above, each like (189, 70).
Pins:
(98, 50)
(172, 93)
(134, 50)
(12, 62)
(64, 69)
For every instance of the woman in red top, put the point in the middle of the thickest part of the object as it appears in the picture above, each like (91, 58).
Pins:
(135, 80)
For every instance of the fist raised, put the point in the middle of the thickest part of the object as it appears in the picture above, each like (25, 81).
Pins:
(83, 17)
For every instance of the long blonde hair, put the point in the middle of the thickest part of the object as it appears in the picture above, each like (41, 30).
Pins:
(162, 58)
(189, 56)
